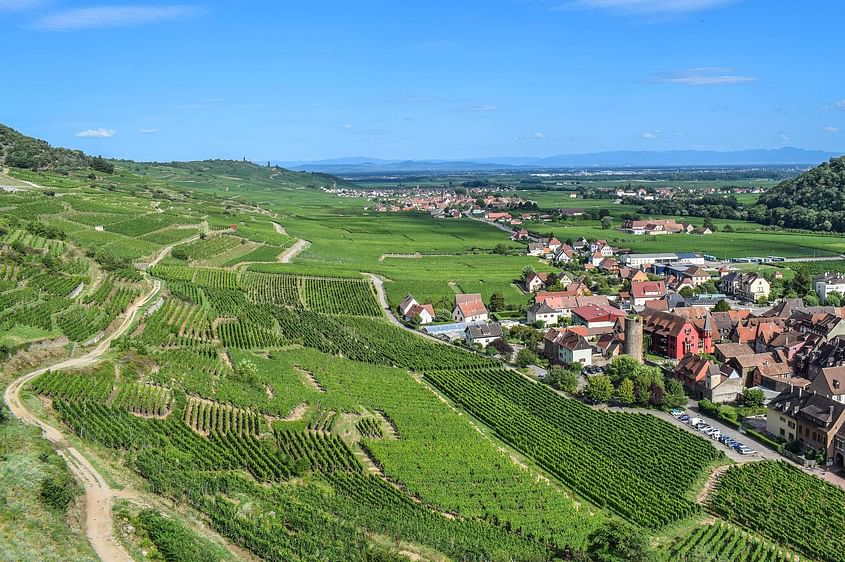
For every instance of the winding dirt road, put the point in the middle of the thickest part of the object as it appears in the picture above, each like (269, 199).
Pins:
(293, 251)
(98, 493)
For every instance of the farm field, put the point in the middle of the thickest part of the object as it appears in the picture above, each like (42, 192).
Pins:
(282, 387)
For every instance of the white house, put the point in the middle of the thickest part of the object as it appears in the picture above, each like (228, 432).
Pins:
(829, 283)
(541, 312)
(483, 334)
(573, 348)
(469, 308)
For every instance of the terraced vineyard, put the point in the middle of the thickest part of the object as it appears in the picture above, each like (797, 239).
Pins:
(637, 465)
(723, 542)
(745, 496)
(277, 404)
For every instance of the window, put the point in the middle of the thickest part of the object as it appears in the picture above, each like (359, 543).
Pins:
(782, 432)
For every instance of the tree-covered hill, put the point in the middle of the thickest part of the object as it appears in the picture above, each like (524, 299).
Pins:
(20, 151)
(814, 200)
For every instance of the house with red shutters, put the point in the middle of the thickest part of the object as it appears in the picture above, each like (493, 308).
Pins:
(673, 336)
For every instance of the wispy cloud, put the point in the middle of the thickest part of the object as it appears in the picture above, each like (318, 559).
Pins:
(649, 135)
(148, 131)
(784, 137)
(540, 136)
(438, 44)
(840, 104)
(95, 134)
(346, 126)
(649, 7)
(113, 16)
(699, 76)
(19, 5)
(485, 107)
(830, 129)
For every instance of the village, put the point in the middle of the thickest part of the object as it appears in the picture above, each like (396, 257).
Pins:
(714, 329)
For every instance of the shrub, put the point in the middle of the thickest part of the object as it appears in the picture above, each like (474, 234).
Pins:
(58, 491)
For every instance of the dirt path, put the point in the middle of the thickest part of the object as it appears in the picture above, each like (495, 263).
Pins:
(280, 229)
(98, 493)
(711, 483)
(293, 251)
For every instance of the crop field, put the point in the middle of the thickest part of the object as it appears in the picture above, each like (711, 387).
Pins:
(638, 466)
(723, 542)
(277, 405)
(744, 495)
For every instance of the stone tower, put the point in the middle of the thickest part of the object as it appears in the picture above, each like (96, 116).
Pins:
(634, 337)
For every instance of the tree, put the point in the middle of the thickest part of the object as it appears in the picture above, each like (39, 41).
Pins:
(811, 299)
(834, 299)
(525, 357)
(708, 223)
(728, 228)
(616, 541)
(675, 396)
(686, 291)
(500, 249)
(503, 347)
(722, 306)
(753, 397)
(497, 302)
(526, 271)
(625, 392)
(648, 386)
(599, 388)
(622, 367)
(606, 223)
(569, 380)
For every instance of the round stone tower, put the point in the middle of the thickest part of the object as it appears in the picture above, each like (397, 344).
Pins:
(634, 337)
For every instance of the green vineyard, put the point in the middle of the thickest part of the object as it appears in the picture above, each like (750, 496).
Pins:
(635, 464)
(723, 542)
(745, 496)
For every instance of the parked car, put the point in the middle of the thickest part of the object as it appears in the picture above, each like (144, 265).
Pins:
(676, 412)
(684, 418)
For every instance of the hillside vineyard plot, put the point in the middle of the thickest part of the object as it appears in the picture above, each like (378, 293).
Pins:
(637, 465)
(329, 295)
(762, 495)
(723, 542)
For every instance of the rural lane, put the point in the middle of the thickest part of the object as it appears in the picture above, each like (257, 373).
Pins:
(293, 251)
(98, 493)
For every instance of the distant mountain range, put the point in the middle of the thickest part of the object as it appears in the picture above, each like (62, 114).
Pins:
(614, 159)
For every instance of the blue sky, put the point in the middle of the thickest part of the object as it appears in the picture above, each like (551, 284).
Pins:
(423, 79)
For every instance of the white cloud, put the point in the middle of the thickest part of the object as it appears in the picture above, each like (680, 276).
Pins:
(148, 131)
(540, 136)
(649, 135)
(438, 44)
(650, 7)
(784, 137)
(830, 129)
(484, 107)
(112, 16)
(95, 134)
(346, 126)
(17, 5)
(699, 76)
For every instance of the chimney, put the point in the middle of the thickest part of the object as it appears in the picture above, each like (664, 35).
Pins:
(830, 412)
